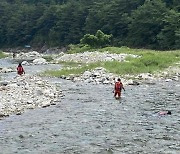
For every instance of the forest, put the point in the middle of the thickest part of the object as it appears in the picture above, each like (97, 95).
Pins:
(150, 24)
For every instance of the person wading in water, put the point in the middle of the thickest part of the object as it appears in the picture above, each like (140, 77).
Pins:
(117, 88)
(20, 69)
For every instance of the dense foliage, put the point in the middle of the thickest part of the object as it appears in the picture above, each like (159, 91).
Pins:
(151, 24)
(96, 41)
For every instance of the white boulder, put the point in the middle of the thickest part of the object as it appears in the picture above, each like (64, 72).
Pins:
(40, 61)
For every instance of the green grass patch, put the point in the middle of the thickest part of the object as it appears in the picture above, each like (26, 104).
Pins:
(118, 50)
(70, 64)
(74, 71)
(79, 49)
(48, 58)
(149, 62)
(2, 55)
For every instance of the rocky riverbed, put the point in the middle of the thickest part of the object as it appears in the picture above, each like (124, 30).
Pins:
(30, 91)
(26, 92)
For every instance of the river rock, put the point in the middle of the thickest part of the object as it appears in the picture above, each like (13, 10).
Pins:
(6, 70)
(4, 83)
(132, 82)
(40, 61)
(86, 74)
(175, 78)
(46, 103)
(25, 63)
(168, 80)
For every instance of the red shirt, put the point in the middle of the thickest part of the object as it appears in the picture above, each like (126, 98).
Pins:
(118, 86)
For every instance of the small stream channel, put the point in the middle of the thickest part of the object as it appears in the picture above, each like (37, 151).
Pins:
(89, 120)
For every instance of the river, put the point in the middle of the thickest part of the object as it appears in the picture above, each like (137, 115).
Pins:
(89, 120)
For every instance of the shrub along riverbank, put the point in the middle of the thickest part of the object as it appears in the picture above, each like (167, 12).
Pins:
(149, 61)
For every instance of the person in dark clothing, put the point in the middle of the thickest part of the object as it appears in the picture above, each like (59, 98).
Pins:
(14, 54)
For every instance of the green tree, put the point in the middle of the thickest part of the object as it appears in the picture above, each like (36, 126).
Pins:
(111, 17)
(169, 37)
(69, 26)
(44, 24)
(90, 40)
(5, 14)
(103, 39)
(98, 40)
(146, 23)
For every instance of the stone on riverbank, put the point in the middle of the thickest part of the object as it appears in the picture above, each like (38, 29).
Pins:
(39, 61)
(6, 70)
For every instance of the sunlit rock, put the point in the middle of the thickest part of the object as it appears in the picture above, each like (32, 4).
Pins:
(25, 63)
(40, 61)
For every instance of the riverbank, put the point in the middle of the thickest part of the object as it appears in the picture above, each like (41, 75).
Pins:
(134, 66)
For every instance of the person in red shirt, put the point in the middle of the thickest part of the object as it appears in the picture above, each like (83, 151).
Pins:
(20, 69)
(164, 113)
(117, 88)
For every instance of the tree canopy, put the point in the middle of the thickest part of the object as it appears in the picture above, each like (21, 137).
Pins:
(153, 24)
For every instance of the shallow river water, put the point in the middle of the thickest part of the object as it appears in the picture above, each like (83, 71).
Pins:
(89, 120)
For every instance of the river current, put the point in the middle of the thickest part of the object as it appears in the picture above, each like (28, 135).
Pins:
(89, 120)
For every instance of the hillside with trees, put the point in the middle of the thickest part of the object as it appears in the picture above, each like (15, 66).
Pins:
(152, 24)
